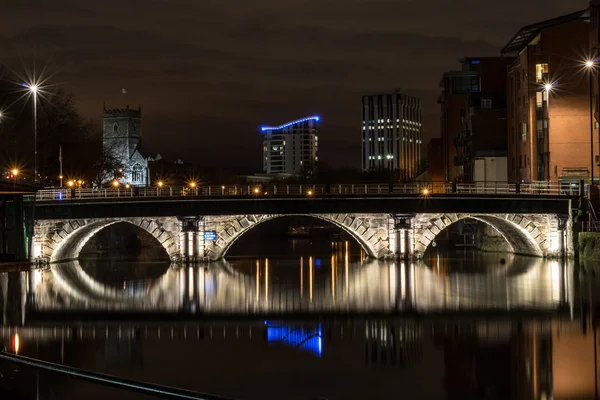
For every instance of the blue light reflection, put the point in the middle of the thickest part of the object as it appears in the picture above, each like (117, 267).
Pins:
(299, 337)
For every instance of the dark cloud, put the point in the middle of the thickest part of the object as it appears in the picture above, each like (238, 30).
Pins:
(208, 73)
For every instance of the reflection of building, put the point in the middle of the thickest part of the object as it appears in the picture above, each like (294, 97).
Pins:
(291, 148)
(497, 360)
(299, 337)
(393, 344)
(548, 97)
(391, 133)
(122, 141)
(473, 106)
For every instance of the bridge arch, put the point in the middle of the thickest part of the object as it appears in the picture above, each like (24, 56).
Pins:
(371, 231)
(528, 235)
(64, 240)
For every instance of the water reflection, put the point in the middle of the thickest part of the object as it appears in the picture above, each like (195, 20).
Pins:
(311, 285)
(454, 326)
(521, 358)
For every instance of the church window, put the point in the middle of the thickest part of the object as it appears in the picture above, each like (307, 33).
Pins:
(116, 128)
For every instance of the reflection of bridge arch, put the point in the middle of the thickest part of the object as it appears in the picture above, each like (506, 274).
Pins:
(69, 283)
(372, 287)
(523, 234)
(370, 231)
(63, 240)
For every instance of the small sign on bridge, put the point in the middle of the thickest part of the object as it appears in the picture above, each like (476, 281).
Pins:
(210, 236)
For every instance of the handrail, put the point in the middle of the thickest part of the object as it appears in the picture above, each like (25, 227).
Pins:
(283, 190)
(108, 380)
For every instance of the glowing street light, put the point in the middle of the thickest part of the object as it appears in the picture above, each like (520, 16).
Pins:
(115, 183)
(192, 184)
(15, 172)
(256, 190)
(425, 192)
(590, 66)
(127, 186)
(548, 87)
(34, 89)
(160, 184)
(309, 193)
(70, 183)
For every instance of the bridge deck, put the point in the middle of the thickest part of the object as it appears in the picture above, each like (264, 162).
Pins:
(301, 204)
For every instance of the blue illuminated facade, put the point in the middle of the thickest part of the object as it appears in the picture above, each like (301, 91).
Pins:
(291, 149)
(298, 337)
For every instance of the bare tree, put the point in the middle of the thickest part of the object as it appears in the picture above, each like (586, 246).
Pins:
(107, 168)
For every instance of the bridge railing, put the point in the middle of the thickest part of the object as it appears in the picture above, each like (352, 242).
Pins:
(413, 188)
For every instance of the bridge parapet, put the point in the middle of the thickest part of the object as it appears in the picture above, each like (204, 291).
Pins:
(277, 190)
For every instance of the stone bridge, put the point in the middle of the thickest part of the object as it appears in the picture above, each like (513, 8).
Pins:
(381, 235)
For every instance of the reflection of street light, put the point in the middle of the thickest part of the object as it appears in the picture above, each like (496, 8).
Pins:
(590, 64)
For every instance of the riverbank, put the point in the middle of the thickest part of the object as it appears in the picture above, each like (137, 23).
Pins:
(589, 246)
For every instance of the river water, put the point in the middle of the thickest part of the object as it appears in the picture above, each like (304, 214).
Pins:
(309, 320)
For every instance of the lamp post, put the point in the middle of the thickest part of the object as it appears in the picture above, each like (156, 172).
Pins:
(33, 89)
(548, 88)
(590, 64)
(14, 172)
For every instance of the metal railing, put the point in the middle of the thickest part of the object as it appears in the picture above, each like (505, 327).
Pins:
(590, 226)
(279, 190)
(107, 380)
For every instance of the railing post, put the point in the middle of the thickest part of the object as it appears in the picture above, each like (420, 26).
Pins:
(454, 187)
(287, 189)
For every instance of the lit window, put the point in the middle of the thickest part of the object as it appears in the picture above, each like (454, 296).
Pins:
(540, 71)
(486, 103)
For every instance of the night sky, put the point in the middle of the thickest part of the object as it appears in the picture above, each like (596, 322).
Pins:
(208, 73)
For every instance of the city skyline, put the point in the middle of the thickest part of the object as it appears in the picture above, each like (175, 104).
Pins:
(197, 91)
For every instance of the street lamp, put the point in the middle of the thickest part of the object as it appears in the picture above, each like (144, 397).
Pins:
(33, 89)
(115, 183)
(590, 64)
(14, 172)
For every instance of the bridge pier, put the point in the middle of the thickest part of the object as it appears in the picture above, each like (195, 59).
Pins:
(190, 246)
(403, 236)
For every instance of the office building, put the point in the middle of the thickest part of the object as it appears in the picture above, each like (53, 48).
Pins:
(291, 149)
(549, 102)
(391, 134)
(473, 114)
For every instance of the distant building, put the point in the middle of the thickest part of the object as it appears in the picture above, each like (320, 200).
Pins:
(122, 140)
(171, 173)
(292, 148)
(548, 101)
(391, 133)
(435, 160)
(473, 113)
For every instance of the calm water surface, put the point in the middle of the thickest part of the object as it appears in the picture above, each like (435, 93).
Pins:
(308, 321)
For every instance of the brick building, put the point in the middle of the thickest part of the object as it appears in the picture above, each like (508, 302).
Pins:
(435, 160)
(473, 113)
(548, 101)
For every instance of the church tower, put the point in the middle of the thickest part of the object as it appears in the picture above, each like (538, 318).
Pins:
(122, 139)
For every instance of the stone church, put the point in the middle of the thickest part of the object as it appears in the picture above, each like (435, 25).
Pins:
(122, 139)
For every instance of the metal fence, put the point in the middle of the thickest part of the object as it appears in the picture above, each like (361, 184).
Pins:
(277, 190)
(590, 226)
